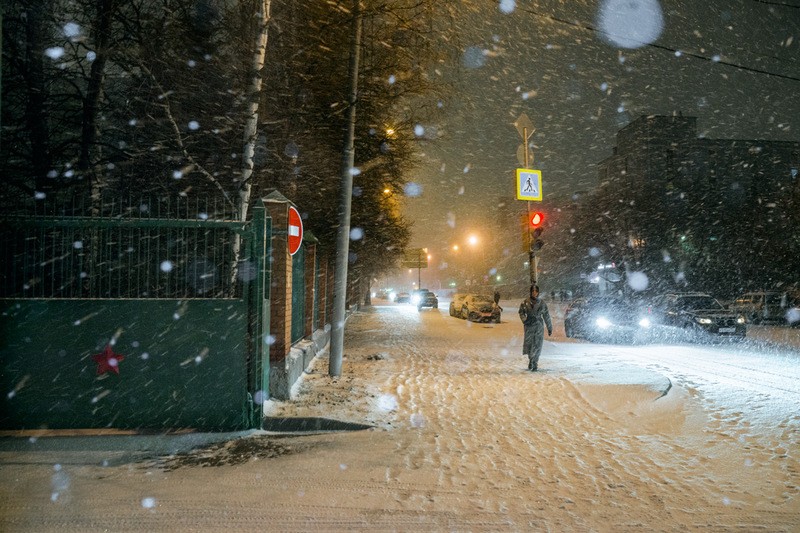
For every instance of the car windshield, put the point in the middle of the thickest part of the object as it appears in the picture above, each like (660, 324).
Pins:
(695, 303)
(774, 299)
(611, 305)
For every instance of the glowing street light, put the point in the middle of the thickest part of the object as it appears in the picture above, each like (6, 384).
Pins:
(477, 261)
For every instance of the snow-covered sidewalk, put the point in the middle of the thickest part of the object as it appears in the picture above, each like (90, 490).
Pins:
(463, 438)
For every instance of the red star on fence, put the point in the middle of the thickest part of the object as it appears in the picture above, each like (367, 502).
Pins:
(108, 361)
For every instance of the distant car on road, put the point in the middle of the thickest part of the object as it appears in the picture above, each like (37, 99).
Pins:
(697, 313)
(480, 308)
(455, 304)
(606, 319)
(427, 299)
(417, 295)
(402, 298)
(761, 306)
(384, 294)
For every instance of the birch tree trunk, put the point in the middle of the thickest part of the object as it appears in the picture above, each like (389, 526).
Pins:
(251, 118)
(251, 128)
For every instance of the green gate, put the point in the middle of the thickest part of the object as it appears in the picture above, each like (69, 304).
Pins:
(134, 322)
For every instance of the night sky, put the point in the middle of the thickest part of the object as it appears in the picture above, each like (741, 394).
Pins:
(735, 65)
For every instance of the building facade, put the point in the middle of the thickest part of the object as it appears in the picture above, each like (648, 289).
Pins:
(681, 203)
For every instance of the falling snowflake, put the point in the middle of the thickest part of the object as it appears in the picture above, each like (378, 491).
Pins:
(630, 23)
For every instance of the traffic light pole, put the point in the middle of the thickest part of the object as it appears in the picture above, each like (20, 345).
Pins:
(533, 261)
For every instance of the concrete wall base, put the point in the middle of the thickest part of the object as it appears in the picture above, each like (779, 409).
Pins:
(283, 379)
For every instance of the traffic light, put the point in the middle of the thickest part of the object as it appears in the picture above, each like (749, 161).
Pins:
(536, 219)
(531, 225)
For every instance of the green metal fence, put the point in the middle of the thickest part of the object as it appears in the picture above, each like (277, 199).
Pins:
(135, 255)
(166, 294)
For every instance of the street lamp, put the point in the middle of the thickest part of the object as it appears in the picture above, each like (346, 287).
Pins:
(474, 243)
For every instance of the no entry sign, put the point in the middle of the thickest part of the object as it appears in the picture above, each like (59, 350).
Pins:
(295, 230)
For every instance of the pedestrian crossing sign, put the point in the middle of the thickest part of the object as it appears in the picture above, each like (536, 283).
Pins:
(529, 185)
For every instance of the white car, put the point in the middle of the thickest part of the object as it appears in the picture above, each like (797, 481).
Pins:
(456, 303)
(761, 306)
(480, 308)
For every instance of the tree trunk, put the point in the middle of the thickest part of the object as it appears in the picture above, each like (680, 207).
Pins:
(105, 12)
(91, 102)
(36, 112)
(251, 128)
(251, 118)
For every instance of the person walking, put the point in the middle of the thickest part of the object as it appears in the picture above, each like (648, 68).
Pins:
(535, 316)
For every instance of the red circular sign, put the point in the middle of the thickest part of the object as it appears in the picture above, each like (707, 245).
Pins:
(295, 230)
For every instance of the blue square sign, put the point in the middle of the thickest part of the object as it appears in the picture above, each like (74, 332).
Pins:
(529, 185)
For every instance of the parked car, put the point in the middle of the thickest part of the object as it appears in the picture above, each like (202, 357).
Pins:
(793, 307)
(480, 308)
(426, 299)
(606, 319)
(455, 304)
(402, 298)
(697, 313)
(761, 306)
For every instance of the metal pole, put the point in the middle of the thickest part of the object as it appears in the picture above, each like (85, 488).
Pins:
(532, 259)
(419, 269)
(345, 202)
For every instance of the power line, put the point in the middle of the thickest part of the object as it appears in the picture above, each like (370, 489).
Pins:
(779, 4)
(590, 28)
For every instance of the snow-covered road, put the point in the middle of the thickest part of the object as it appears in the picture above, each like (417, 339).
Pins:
(603, 438)
(758, 377)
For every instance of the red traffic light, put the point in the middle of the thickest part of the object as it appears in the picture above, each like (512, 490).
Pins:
(536, 219)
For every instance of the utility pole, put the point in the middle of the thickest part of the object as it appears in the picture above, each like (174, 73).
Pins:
(419, 268)
(345, 201)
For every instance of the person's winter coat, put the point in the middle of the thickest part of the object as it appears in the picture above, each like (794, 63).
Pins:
(535, 316)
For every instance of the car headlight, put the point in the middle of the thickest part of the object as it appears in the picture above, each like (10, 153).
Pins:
(602, 322)
(703, 320)
(740, 319)
(415, 299)
(644, 323)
